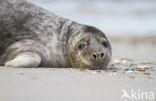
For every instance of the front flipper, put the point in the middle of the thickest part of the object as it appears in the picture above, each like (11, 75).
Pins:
(25, 59)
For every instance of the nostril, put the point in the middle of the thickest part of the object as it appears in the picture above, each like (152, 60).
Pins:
(102, 54)
(94, 56)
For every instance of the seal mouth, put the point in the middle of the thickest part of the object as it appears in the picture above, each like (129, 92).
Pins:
(85, 63)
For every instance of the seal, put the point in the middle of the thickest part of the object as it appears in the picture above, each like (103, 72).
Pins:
(31, 36)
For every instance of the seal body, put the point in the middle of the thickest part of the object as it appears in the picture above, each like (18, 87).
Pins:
(31, 36)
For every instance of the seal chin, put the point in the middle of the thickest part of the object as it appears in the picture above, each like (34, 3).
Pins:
(98, 67)
(92, 65)
(95, 68)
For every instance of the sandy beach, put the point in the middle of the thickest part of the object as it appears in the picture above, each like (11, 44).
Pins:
(132, 70)
(130, 26)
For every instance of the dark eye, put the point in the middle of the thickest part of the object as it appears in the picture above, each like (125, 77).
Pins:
(105, 44)
(81, 46)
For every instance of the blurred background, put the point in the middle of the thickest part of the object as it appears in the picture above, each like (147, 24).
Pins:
(114, 17)
(129, 24)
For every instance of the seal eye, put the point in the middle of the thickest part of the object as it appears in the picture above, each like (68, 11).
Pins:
(105, 44)
(81, 46)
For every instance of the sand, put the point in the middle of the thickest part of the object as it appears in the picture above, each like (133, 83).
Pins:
(47, 84)
(132, 70)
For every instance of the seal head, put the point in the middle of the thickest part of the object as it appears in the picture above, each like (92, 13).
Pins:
(90, 49)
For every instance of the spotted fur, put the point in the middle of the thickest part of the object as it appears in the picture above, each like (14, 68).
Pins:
(26, 27)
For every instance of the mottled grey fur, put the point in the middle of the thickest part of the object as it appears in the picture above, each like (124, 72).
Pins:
(46, 37)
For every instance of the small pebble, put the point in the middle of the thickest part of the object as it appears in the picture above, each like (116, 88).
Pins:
(153, 69)
(98, 70)
(125, 59)
(132, 69)
(111, 64)
(143, 66)
(141, 69)
(148, 77)
(129, 63)
(116, 61)
(145, 62)
(112, 67)
(129, 71)
(113, 70)
(114, 73)
(131, 76)
(146, 73)
(72, 69)
(126, 69)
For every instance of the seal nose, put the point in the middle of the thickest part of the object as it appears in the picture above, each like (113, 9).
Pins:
(98, 55)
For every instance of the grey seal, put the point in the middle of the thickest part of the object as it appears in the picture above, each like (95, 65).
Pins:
(31, 36)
